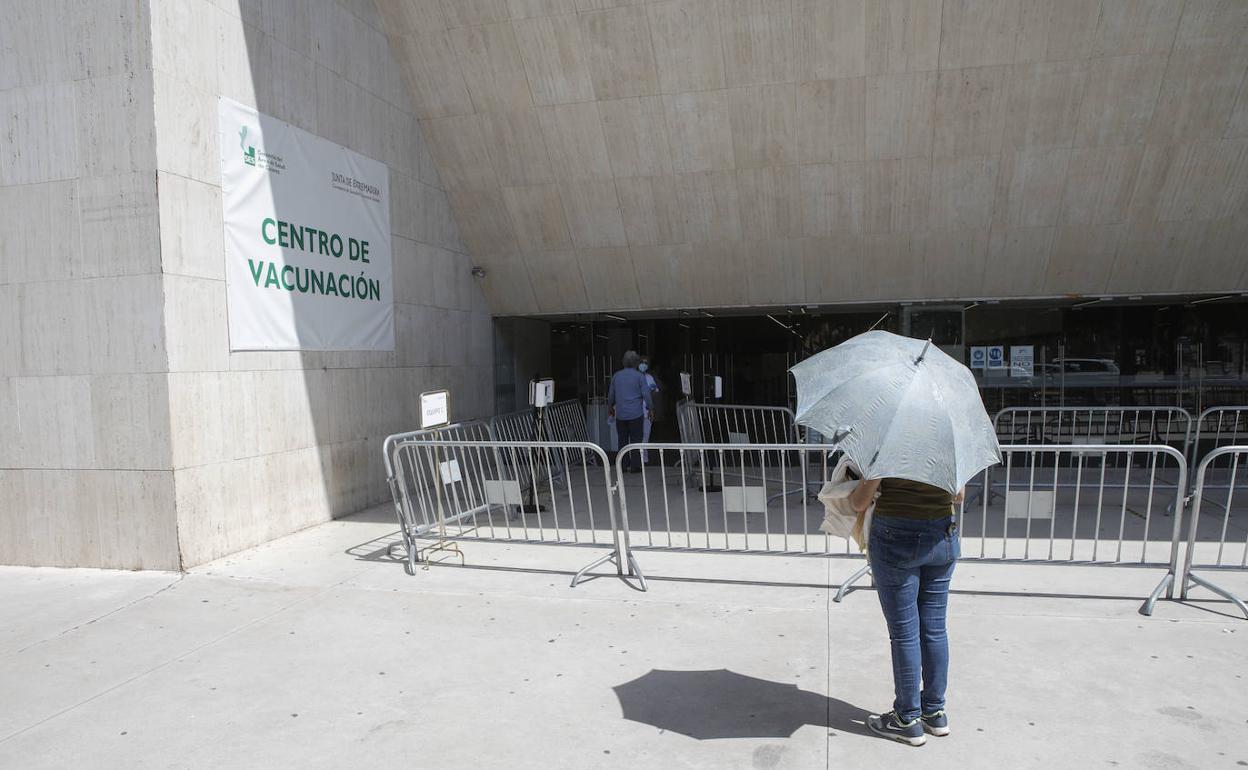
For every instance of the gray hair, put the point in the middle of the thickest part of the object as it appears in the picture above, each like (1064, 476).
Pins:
(631, 359)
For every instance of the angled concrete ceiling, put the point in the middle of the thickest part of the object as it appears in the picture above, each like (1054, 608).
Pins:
(614, 155)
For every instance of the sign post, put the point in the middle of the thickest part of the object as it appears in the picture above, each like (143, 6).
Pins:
(435, 412)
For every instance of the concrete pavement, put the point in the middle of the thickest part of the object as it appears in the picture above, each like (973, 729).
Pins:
(316, 651)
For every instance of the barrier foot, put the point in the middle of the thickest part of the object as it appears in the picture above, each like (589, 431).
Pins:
(1165, 583)
(1220, 592)
(635, 571)
(409, 555)
(844, 589)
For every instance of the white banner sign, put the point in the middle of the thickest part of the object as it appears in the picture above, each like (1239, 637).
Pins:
(1022, 361)
(307, 239)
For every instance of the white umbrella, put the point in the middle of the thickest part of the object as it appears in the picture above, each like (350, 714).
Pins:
(900, 407)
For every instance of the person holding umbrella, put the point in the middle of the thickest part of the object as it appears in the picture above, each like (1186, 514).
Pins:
(912, 420)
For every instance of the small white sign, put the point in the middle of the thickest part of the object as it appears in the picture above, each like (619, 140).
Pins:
(686, 383)
(435, 409)
(738, 438)
(541, 393)
(996, 357)
(450, 472)
(719, 386)
(1022, 361)
(979, 357)
(1024, 504)
(745, 499)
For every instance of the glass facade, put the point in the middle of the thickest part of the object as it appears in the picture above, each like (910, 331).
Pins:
(1122, 352)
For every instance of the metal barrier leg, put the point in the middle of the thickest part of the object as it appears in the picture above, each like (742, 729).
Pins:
(1166, 583)
(636, 572)
(844, 589)
(1219, 591)
(613, 557)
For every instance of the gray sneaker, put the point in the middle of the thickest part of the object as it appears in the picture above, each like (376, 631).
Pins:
(937, 724)
(890, 726)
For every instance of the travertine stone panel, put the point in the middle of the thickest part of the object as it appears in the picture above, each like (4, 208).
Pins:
(517, 147)
(1042, 105)
(890, 269)
(709, 200)
(575, 140)
(635, 131)
(902, 36)
(963, 191)
(1212, 23)
(621, 57)
(489, 57)
(1081, 258)
(1119, 101)
(900, 112)
(465, 13)
(832, 267)
(651, 210)
(831, 38)
(525, 9)
(610, 281)
(764, 125)
(897, 195)
(978, 33)
(759, 42)
(556, 279)
(537, 217)
(716, 269)
(432, 73)
(1214, 258)
(1017, 262)
(556, 59)
(664, 277)
(782, 279)
(1198, 94)
(831, 120)
(459, 148)
(593, 211)
(834, 196)
(771, 203)
(507, 283)
(953, 261)
(40, 133)
(970, 111)
(1029, 188)
(1136, 27)
(484, 220)
(1057, 30)
(700, 128)
(687, 45)
(1149, 255)
(1099, 185)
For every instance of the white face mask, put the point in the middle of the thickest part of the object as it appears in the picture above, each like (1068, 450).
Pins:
(644, 366)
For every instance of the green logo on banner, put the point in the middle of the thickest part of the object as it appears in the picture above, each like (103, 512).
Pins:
(249, 151)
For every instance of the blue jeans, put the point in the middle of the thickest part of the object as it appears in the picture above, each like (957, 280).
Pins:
(629, 432)
(912, 562)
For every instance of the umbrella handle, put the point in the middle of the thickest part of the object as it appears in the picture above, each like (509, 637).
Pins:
(923, 355)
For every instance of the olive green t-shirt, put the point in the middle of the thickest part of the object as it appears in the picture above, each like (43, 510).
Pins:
(913, 500)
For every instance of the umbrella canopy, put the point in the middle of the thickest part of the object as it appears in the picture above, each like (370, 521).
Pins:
(900, 407)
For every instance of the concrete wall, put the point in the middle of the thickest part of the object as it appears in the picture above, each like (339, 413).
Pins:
(267, 443)
(130, 435)
(85, 447)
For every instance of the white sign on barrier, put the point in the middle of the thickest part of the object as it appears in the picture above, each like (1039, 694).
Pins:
(503, 492)
(745, 499)
(307, 238)
(435, 409)
(1022, 504)
(450, 472)
(686, 383)
(738, 438)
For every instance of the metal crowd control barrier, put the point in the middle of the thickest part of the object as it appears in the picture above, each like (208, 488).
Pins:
(1217, 427)
(1087, 505)
(1054, 425)
(1225, 533)
(475, 490)
(735, 424)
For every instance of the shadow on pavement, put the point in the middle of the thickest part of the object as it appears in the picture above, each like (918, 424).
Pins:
(724, 704)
